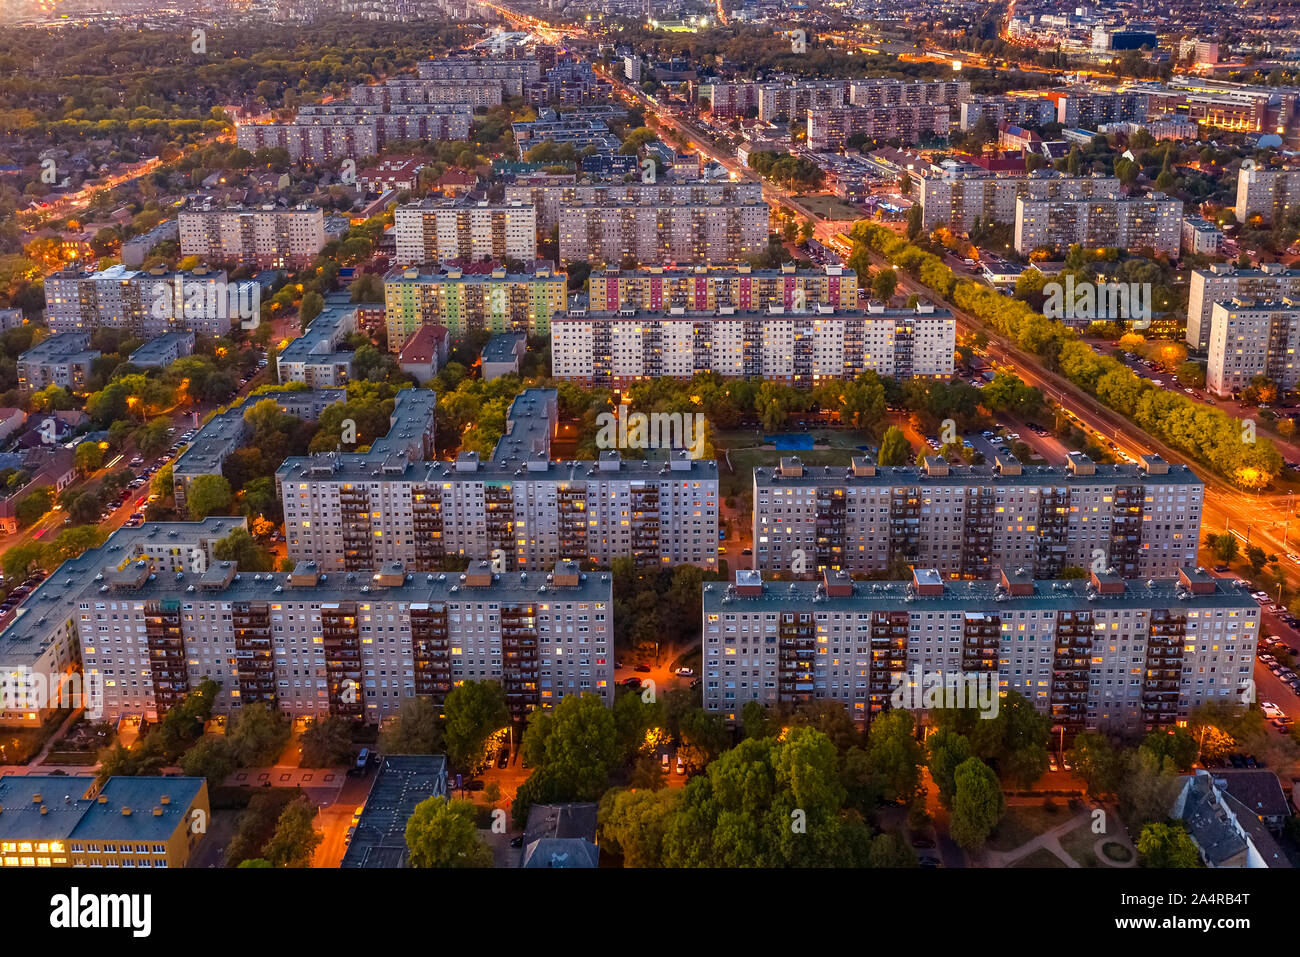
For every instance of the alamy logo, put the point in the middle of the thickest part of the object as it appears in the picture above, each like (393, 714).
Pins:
(1091, 301)
(75, 910)
(654, 430)
(24, 689)
(209, 299)
(929, 690)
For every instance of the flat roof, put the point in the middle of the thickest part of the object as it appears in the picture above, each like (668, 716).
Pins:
(403, 781)
(964, 475)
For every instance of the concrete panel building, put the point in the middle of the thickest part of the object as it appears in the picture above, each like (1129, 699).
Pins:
(269, 237)
(1123, 223)
(436, 230)
(1224, 282)
(1271, 192)
(62, 360)
(1253, 337)
(1141, 520)
(702, 288)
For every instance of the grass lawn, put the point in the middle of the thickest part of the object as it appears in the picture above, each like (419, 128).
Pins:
(1023, 823)
(1079, 845)
(831, 207)
(1040, 858)
(745, 456)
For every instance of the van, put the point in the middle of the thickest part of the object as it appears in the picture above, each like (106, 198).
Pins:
(363, 758)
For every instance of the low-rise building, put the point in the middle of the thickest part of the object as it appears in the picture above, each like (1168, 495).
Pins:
(424, 353)
(502, 353)
(163, 351)
(402, 782)
(1201, 237)
(315, 357)
(62, 360)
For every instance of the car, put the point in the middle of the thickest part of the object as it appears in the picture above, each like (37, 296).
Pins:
(681, 765)
(1270, 709)
(644, 669)
(1251, 762)
(1051, 763)
(356, 814)
(1220, 568)
(1236, 760)
(664, 763)
(746, 551)
(474, 784)
(503, 759)
(722, 549)
(633, 682)
(363, 758)
(618, 664)
(920, 840)
(347, 838)
(930, 863)
(685, 672)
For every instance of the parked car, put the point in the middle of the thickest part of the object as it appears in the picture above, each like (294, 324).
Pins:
(645, 669)
(503, 759)
(681, 765)
(664, 763)
(685, 672)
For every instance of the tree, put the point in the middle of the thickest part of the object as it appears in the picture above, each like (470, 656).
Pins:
(88, 456)
(890, 850)
(894, 448)
(1163, 845)
(210, 758)
(884, 284)
(703, 737)
(415, 729)
(1094, 760)
(1177, 746)
(258, 735)
(1224, 546)
(1146, 788)
(326, 743)
(242, 549)
(948, 751)
(914, 221)
(633, 823)
(19, 561)
(294, 841)
(441, 833)
(977, 804)
(33, 505)
(473, 711)
(208, 495)
(894, 755)
(313, 303)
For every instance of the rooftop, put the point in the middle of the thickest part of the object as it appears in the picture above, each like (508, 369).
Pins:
(403, 781)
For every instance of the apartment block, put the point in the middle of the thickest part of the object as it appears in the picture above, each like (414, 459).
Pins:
(40, 658)
(350, 512)
(885, 91)
(227, 431)
(552, 198)
(1118, 222)
(730, 100)
(959, 198)
(1201, 237)
(1224, 282)
(1090, 108)
(705, 289)
(799, 347)
(315, 357)
(1100, 653)
(511, 74)
(146, 304)
(131, 822)
(63, 360)
(1138, 520)
(326, 132)
(1272, 193)
(161, 352)
(1253, 337)
(434, 230)
(269, 237)
(790, 102)
(630, 233)
(1016, 110)
(835, 128)
(467, 301)
(406, 89)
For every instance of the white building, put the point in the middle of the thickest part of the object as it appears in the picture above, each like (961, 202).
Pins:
(269, 237)
(1253, 337)
(435, 230)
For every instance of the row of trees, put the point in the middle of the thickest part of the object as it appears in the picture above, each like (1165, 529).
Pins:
(1205, 433)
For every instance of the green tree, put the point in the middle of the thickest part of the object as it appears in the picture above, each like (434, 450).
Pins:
(894, 448)
(294, 841)
(326, 743)
(208, 495)
(948, 751)
(209, 758)
(416, 729)
(1094, 760)
(258, 736)
(473, 710)
(894, 754)
(88, 456)
(890, 850)
(977, 804)
(1163, 845)
(241, 548)
(442, 833)
(884, 284)
(632, 823)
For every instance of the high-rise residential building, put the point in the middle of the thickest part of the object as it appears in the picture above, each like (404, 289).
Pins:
(269, 237)
(799, 347)
(1076, 107)
(836, 127)
(63, 360)
(552, 198)
(436, 230)
(1224, 282)
(1101, 653)
(1017, 110)
(618, 232)
(467, 301)
(960, 197)
(321, 139)
(511, 73)
(351, 512)
(790, 102)
(704, 289)
(730, 100)
(1273, 193)
(1201, 237)
(40, 655)
(147, 303)
(1139, 520)
(886, 91)
(1253, 337)
(408, 89)
(1153, 222)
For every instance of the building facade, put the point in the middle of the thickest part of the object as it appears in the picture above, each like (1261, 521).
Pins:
(432, 231)
(834, 128)
(1153, 222)
(1224, 282)
(268, 237)
(799, 347)
(1100, 653)
(625, 233)
(704, 289)
(1250, 338)
(965, 521)
(1271, 192)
